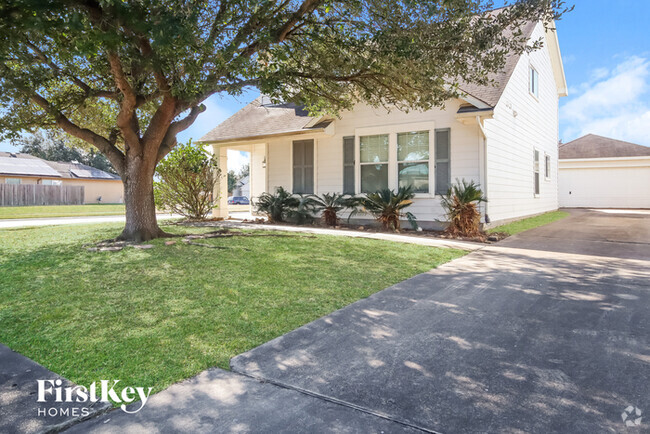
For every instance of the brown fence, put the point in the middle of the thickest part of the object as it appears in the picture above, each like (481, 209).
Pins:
(37, 194)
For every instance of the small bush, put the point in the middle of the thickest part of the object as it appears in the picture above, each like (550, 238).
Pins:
(388, 207)
(460, 205)
(187, 178)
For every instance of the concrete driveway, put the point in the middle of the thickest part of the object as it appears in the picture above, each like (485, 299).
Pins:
(548, 331)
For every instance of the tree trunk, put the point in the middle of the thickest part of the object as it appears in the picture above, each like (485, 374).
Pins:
(141, 224)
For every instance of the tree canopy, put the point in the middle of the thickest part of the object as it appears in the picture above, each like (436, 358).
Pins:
(127, 76)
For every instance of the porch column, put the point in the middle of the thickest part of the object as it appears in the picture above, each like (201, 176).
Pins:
(221, 188)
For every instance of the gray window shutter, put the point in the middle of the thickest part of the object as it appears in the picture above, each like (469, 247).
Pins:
(348, 165)
(303, 166)
(443, 161)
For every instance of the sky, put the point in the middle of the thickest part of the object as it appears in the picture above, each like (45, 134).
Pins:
(605, 48)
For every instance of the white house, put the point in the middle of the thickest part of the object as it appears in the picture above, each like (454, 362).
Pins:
(598, 172)
(504, 137)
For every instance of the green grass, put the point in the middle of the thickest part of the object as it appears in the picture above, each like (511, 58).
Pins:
(154, 317)
(529, 223)
(27, 212)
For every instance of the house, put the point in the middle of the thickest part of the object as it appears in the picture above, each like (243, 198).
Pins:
(243, 187)
(599, 172)
(17, 168)
(504, 137)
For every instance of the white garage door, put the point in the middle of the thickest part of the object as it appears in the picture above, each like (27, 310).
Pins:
(605, 187)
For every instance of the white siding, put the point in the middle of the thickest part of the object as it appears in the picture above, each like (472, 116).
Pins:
(329, 151)
(257, 177)
(605, 184)
(522, 123)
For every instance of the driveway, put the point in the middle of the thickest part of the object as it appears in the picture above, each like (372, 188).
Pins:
(548, 331)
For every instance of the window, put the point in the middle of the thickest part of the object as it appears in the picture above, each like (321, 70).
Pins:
(12, 181)
(533, 85)
(413, 160)
(348, 165)
(443, 161)
(547, 167)
(536, 171)
(50, 182)
(373, 152)
(303, 166)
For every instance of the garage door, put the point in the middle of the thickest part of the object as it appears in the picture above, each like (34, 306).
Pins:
(605, 187)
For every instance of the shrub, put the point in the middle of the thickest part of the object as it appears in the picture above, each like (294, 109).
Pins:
(187, 177)
(460, 205)
(388, 207)
(278, 206)
(330, 204)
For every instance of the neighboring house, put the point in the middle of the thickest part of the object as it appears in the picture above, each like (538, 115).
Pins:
(500, 136)
(598, 172)
(243, 187)
(17, 168)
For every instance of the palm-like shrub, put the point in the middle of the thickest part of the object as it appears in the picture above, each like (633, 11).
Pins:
(277, 206)
(330, 204)
(387, 206)
(460, 205)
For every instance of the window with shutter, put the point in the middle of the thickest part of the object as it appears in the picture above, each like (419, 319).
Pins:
(348, 165)
(443, 161)
(303, 166)
(536, 171)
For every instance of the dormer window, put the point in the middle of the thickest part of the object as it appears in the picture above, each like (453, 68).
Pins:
(533, 82)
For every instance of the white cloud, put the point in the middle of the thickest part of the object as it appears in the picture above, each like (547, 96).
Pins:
(237, 159)
(611, 103)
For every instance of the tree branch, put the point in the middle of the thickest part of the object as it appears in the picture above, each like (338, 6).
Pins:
(169, 141)
(125, 119)
(115, 156)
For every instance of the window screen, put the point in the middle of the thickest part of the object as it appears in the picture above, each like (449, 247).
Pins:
(303, 167)
(348, 165)
(443, 161)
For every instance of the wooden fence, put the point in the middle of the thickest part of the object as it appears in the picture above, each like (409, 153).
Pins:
(37, 194)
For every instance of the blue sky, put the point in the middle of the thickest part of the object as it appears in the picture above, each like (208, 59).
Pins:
(606, 51)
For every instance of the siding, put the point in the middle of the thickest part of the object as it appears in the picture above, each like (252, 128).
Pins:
(328, 175)
(110, 191)
(511, 140)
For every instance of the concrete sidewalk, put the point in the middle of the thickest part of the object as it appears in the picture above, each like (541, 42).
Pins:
(218, 401)
(21, 223)
(19, 411)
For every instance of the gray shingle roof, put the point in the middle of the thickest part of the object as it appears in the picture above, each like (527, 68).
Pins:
(593, 146)
(261, 118)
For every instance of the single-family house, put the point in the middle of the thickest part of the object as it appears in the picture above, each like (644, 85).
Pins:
(99, 186)
(502, 136)
(599, 172)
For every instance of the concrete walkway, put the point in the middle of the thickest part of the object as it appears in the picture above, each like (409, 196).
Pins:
(400, 238)
(21, 223)
(548, 331)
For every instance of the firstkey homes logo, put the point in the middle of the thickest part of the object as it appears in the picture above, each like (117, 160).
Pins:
(632, 416)
(53, 392)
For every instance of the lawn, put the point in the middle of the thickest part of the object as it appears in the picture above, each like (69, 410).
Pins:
(529, 223)
(28, 212)
(154, 317)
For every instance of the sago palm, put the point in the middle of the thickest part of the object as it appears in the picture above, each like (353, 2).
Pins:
(331, 204)
(460, 204)
(387, 206)
(277, 206)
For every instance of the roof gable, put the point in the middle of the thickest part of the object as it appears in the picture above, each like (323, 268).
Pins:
(593, 146)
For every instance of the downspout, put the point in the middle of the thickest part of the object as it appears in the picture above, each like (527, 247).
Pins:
(485, 166)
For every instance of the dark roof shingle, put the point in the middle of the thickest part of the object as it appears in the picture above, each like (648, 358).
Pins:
(593, 146)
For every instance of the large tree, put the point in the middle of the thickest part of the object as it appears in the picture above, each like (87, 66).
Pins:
(127, 76)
